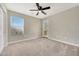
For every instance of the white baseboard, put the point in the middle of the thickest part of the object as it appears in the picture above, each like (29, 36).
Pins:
(32, 38)
(69, 43)
(1, 50)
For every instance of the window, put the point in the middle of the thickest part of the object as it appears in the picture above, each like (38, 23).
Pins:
(17, 25)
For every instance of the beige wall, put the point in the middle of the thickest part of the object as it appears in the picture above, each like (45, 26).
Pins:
(31, 28)
(64, 26)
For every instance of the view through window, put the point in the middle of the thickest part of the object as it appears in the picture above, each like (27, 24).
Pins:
(17, 25)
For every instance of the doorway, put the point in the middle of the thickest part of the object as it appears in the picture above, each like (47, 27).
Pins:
(1, 29)
(45, 28)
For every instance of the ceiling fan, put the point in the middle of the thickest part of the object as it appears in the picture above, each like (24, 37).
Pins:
(40, 8)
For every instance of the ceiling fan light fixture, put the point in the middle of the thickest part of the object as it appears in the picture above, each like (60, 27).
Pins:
(40, 8)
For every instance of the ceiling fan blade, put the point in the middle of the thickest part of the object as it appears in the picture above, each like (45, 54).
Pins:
(43, 12)
(34, 10)
(46, 8)
(37, 13)
(37, 4)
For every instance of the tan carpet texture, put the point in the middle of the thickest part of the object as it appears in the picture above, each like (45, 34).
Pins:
(40, 47)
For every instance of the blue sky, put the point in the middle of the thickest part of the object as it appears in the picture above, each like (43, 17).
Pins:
(17, 21)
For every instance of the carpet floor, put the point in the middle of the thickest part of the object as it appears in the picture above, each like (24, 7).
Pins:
(40, 47)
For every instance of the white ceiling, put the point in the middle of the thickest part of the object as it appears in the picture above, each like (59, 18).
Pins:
(25, 7)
